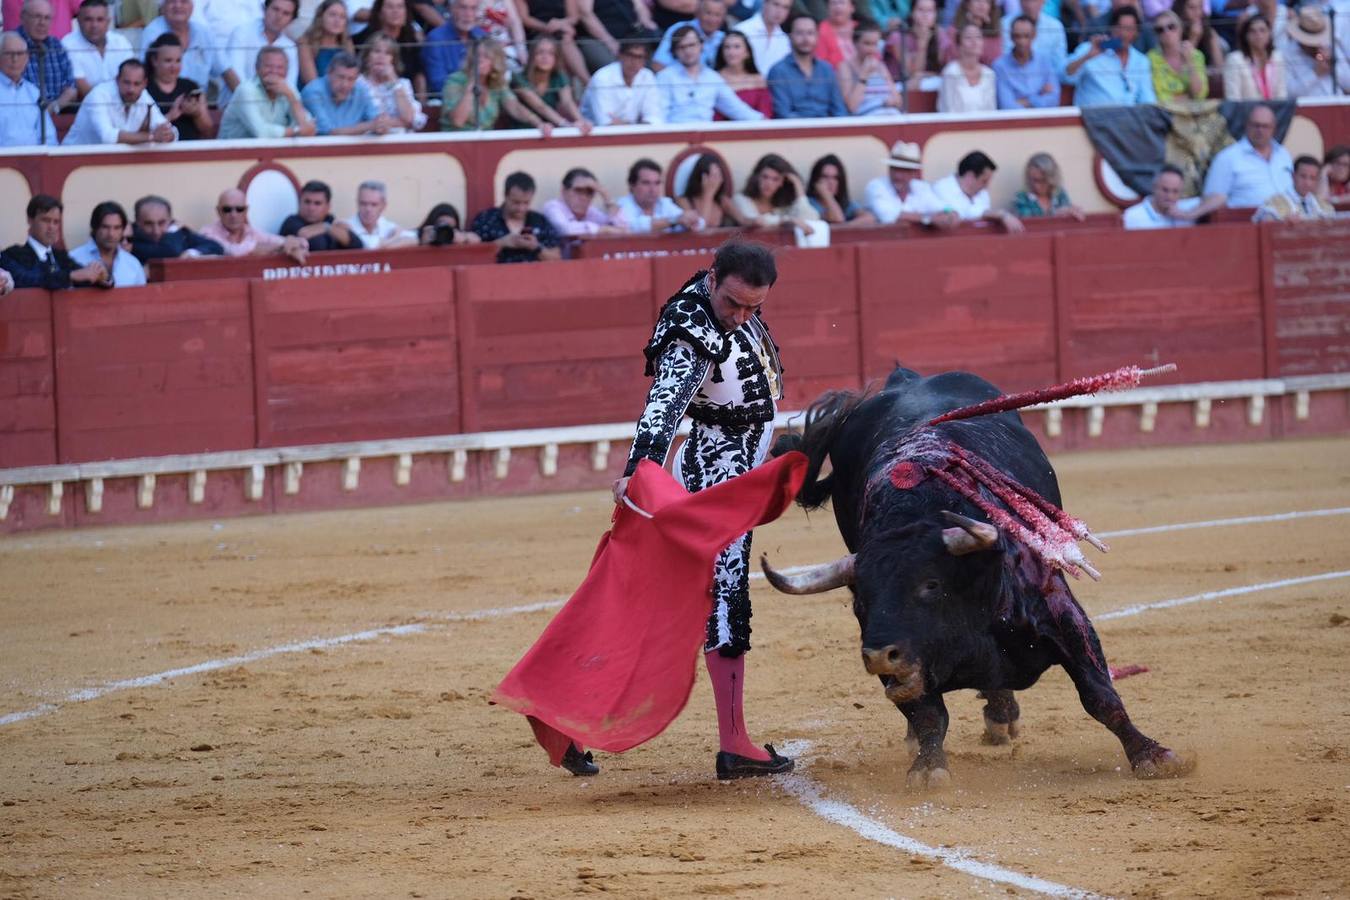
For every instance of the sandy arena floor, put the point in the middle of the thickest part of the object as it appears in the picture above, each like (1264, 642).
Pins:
(376, 768)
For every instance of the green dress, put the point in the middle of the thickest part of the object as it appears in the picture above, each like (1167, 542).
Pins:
(1169, 84)
(489, 105)
(1025, 206)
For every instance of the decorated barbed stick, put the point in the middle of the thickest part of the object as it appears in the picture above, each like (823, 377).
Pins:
(1119, 380)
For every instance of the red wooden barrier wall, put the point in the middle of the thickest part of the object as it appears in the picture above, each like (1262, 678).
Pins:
(27, 380)
(376, 359)
(326, 265)
(1308, 268)
(154, 370)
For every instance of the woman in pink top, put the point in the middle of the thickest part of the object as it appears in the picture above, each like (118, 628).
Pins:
(736, 64)
(835, 44)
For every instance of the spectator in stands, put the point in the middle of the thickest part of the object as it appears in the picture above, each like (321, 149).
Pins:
(736, 64)
(967, 192)
(1178, 68)
(901, 196)
(835, 44)
(1336, 176)
(864, 81)
(315, 223)
(247, 39)
(477, 107)
(266, 106)
(107, 226)
(1310, 54)
(555, 19)
(646, 209)
(1254, 168)
(827, 191)
(392, 93)
(48, 65)
(1198, 32)
(390, 17)
(370, 227)
(968, 85)
(201, 57)
(442, 227)
(775, 196)
(769, 44)
(689, 91)
(574, 214)
(121, 112)
(327, 36)
(445, 48)
(520, 233)
(608, 25)
(1024, 79)
(1044, 194)
(625, 92)
(917, 56)
(803, 86)
(95, 52)
(984, 15)
(707, 193)
(239, 238)
(181, 100)
(25, 123)
(39, 263)
(709, 23)
(501, 21)
(341, 104)
(62, 13)
(1050, 43)
(1165, 208)
(1112, 73)
(542, 88)
(1144, 39)
(890, 15)
(1256, 69)
(156, 235)
(667, 13)
(1302, 203)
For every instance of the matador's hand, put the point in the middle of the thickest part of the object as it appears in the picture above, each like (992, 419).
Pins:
(620, 488)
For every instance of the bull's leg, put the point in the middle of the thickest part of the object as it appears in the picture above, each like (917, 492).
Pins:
(928, 719)
(1000, 717)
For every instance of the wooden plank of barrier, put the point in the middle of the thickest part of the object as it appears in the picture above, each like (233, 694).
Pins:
(153, 370)
(377, 359)
(1310, 280)
(679, 243)
(552, 343)
(27, 380)
(326, 265)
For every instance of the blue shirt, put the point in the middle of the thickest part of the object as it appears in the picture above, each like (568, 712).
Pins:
(328, 114)
(443, 53)
(56, 73)
(711, 42)
(1024, 82)
(20, 123)
(1246, 177)
(797, 95)
(1050, 42)
(693, 99)
(1102, 82)
(127, 270)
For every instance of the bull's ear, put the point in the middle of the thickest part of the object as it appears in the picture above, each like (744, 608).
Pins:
(969, 536)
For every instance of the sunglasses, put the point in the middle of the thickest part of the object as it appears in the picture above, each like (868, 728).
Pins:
(233, 209)
(584, 190)
(1170, 26)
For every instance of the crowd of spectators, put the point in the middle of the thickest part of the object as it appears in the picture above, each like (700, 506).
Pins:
(291, 68)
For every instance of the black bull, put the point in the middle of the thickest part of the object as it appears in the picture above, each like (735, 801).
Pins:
(946, 601)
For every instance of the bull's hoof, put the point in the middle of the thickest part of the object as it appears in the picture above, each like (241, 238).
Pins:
(938, 779)
(1163, 763)
(996, 734)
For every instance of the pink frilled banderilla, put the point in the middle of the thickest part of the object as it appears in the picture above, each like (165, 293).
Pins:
(1024, 515)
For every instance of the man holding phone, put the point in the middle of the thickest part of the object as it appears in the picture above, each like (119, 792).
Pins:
(1110, 72)
(520, 233)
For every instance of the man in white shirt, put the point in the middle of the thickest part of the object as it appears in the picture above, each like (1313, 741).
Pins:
(1165, 208)
(902, 196)
(690, 91)
(647, 210)
(1254, 168)
(107, 224)
(24, 123)
(241, 53)
(225, 17)
(94, 51)
(369, 224)
(967, 192)
(624, 92)
(121, 112)
(764, 32)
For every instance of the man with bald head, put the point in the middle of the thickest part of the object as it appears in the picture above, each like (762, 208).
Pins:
(48, 65)
(233, 231)
(24, 123)
(1255, 168)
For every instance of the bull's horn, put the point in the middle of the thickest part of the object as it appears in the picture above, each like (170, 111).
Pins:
(813, 579)
(969, 536)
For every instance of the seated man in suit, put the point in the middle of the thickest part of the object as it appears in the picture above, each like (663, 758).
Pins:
(39, 263)
(155, 234)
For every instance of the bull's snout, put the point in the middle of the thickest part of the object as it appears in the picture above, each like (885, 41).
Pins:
(885, 661)
(902, 675)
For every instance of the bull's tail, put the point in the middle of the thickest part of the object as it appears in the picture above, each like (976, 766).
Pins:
(824, 419)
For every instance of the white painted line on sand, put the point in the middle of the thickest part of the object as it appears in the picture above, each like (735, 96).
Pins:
(811, 795)
(1219, 595)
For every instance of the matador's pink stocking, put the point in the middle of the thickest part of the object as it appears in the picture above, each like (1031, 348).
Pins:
(728, 681)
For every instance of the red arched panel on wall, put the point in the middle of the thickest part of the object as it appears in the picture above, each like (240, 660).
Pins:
(27, 381)
(981, 304)
(553, 344)
(376, 359)
(153, 370)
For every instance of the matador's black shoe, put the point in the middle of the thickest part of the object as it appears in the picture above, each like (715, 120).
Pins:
(579, 763)
(732, 765)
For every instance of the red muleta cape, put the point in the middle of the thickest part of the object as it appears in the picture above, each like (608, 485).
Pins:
(617, 663)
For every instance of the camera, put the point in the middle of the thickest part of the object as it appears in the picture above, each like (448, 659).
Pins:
(444, 236)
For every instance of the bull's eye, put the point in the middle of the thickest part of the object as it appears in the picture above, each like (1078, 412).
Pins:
(930, 589)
